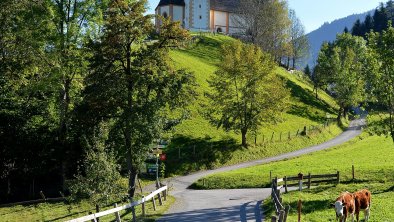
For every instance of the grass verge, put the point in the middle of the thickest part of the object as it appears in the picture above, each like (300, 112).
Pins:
(61, 212)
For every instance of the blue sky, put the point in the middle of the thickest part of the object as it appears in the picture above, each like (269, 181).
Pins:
(313, 13)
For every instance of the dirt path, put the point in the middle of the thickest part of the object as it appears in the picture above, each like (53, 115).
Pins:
(234, 205)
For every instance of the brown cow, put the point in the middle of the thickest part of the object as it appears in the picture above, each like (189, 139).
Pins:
(344, 206)
(363, 202)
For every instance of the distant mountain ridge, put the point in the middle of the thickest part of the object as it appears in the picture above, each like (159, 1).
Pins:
(327, 32)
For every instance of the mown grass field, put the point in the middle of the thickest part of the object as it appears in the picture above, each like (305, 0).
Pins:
(371, 155)
(196, 138)
(62, 212)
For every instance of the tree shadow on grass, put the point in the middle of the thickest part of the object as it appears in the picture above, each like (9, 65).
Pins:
(186, 154)
(306, 97)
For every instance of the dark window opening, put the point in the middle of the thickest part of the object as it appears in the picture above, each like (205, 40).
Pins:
(165, 15)
(219, 30)
(199, 6)
(200, 17)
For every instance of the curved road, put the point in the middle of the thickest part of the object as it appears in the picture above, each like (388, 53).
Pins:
(234, 205)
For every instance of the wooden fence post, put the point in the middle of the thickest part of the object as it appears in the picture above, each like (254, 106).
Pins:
(97, 210)
(287, 209)
(117, 216)
(353, 171)
(285, 179)
(309, 181)
(299, 208)
(134, 216)
(338, 177)
(281, 215)
(143, 207)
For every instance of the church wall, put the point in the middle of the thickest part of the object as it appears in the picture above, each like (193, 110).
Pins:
(165, 9)
(177, 13)
(200, 17)
(220, 20)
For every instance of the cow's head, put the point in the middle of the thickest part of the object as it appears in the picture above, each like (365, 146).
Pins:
(339, 208)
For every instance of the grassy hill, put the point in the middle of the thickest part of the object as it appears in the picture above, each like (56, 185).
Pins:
(196, 138)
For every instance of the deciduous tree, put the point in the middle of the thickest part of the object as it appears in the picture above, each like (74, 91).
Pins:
(245, 93)
(133, 82)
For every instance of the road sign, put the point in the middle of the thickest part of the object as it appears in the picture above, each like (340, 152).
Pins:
(161, 146)
(157, 151)
(163, 157)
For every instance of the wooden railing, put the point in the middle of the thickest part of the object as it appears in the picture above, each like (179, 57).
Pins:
(308, 180)
(162, 192)
(281, 210)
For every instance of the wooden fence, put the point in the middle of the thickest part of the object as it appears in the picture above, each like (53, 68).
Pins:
(281, 210)
(308, 180)
(162, 192)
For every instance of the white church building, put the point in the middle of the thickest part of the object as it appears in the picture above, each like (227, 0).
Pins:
(202, 15)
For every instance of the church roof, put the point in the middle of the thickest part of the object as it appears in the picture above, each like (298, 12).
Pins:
(171, 2)
(225, 5)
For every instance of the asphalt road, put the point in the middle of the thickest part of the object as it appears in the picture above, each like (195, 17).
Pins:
(234, 205)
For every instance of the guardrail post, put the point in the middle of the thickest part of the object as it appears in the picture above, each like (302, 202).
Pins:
(285, 179)
(338, 177)
(143, 207)
(160, 201)
(165, 194)
(309, 181)
(154, 203)
(117, 216)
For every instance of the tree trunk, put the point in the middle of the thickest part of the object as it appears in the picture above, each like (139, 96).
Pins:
(294, 62)
(243, 132)
(345, 112)
(339, 115)
(288, 63)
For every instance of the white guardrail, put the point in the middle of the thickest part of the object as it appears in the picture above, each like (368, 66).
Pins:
(124, 207)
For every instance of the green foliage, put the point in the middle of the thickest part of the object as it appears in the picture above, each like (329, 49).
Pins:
(134, 84)
(245, 93)
(381, 78)
(342, 66)
(100, 179)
